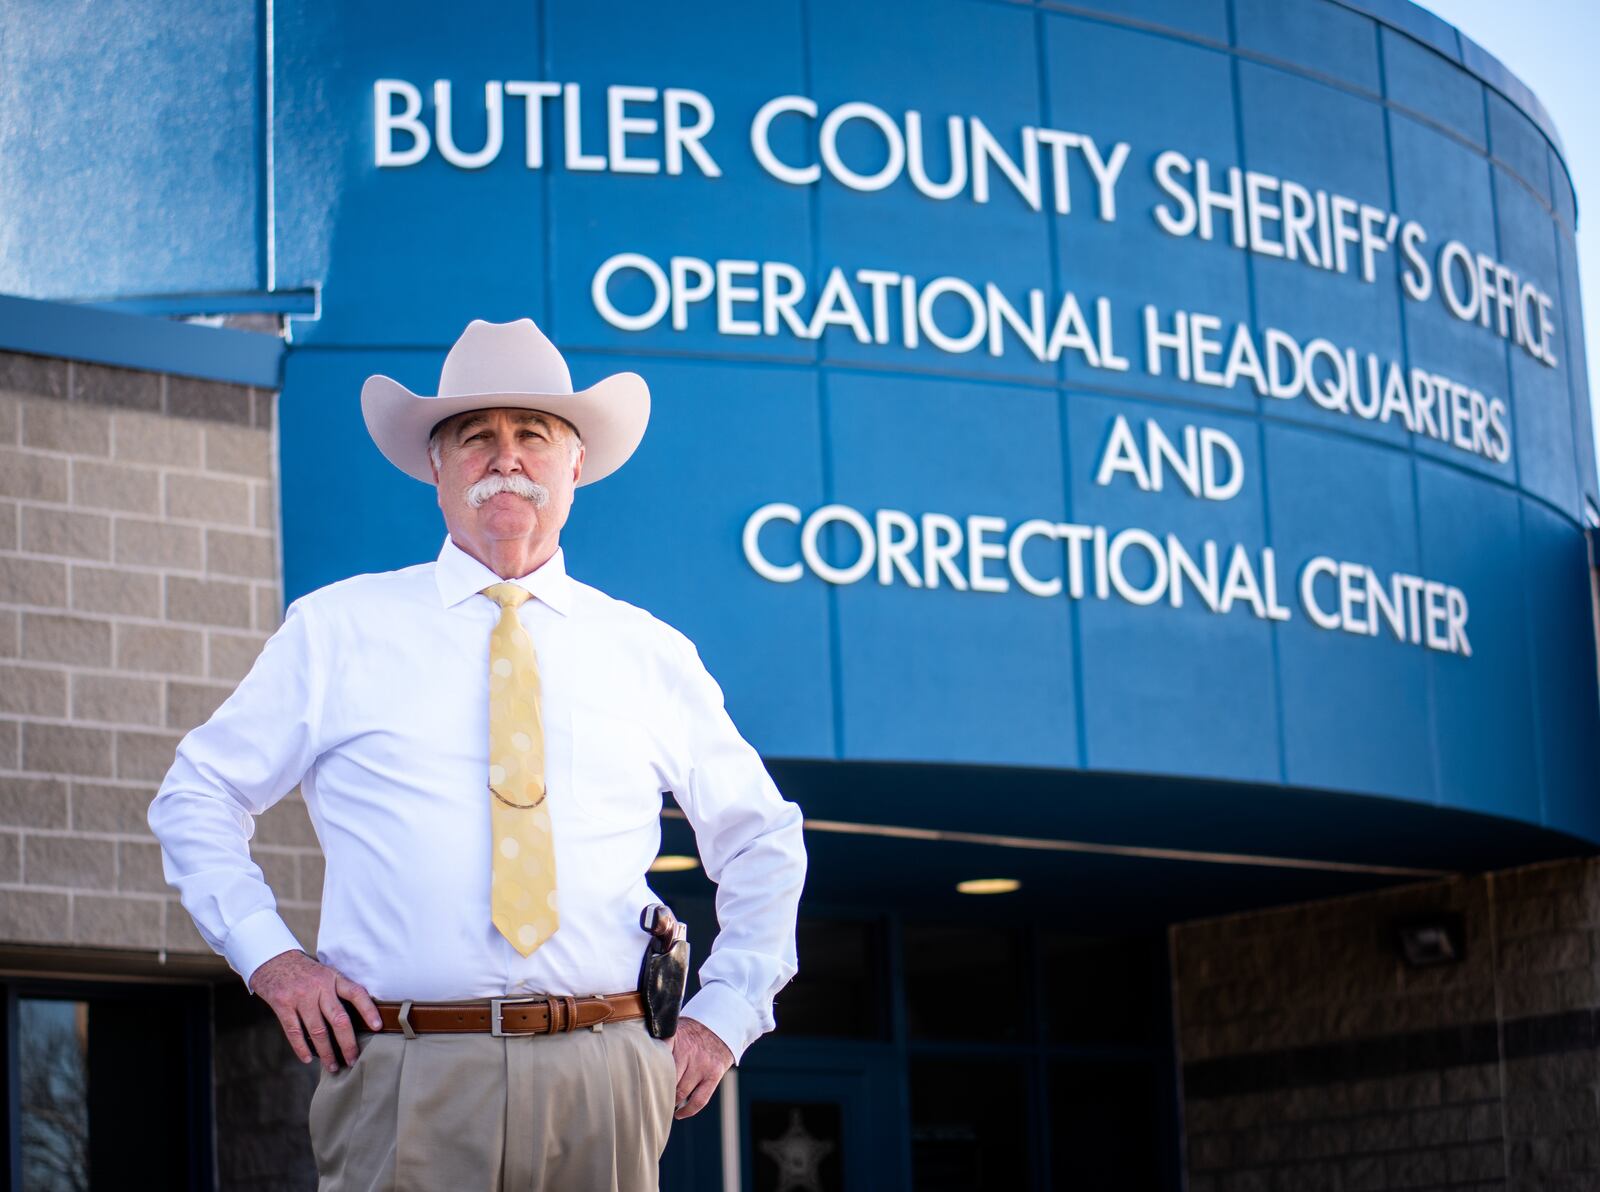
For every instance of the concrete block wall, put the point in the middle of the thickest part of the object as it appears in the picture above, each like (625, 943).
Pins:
(262, 1096)
(139, 577)
(1314, 1058)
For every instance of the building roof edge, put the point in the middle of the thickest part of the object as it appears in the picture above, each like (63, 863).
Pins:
(74, 332)
(1438, 34)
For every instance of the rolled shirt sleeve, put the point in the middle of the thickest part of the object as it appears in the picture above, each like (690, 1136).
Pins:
(252, 751)
(751, 845)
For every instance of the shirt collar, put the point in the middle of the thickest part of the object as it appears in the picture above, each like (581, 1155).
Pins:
(460, 576)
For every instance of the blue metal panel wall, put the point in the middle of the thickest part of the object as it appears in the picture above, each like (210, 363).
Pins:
(1375, 100)
(1317, 92)
(131, 150)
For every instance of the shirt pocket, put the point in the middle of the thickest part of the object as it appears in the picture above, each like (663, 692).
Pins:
(617, 771)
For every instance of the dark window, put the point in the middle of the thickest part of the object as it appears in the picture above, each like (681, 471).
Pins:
(1107, 1124)
(109, 1085)
(1103, 991)
(969, 1126)
(840, 991)
(957, 981)
(53, 1094)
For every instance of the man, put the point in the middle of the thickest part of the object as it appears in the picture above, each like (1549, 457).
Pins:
(483, 743)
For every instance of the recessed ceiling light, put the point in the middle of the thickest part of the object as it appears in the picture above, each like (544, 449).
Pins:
(988, 885)
(673, 863)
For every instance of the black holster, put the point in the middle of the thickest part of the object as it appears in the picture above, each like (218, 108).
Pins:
(664, 972)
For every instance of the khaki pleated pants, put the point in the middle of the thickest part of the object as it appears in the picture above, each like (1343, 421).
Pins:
(587, 1111)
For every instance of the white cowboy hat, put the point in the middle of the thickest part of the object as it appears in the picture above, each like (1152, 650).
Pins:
(508, 365)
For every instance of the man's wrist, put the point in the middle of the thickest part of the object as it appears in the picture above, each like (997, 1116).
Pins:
(261, 968)
(726, 1015)
(718, 1039)
(255, 940)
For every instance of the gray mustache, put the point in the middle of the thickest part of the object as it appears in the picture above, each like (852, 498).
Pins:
(491, 486)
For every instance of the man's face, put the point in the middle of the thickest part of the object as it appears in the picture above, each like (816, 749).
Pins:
(527, 454)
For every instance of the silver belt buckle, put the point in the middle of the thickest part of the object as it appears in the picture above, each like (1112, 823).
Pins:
(495, 1005)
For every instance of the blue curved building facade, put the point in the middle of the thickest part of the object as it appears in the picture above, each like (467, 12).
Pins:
(1142, 449)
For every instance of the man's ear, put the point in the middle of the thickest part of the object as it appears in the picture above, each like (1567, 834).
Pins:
(577, 464)
(437, 491)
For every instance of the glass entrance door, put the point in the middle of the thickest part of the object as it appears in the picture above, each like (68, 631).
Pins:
(818, 1120)
(947, 1054)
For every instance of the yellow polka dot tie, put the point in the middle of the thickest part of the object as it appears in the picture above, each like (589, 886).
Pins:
(523, 895)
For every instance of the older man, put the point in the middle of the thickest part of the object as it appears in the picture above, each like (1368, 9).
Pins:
(483, 743)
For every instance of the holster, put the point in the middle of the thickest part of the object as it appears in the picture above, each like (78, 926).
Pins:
(664, 973)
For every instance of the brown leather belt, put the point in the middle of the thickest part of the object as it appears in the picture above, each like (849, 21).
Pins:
(538, 1014)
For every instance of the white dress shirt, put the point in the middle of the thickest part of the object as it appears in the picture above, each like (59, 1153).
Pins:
(373, 697)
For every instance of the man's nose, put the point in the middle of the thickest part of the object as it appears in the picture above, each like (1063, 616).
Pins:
(505, 458)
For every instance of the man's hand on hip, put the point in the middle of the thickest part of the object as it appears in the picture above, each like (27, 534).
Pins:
(702, 1058)
(300, 990)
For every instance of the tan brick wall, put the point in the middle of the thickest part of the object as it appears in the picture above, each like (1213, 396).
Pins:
(1356, 1072)
(139, 576)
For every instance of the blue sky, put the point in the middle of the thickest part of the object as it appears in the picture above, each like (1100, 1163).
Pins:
(1552, 45)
